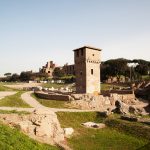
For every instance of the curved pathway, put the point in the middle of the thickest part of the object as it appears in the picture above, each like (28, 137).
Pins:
(30, 100)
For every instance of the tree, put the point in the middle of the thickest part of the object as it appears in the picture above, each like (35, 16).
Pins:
(114, 67)
(143, 66)
(42, 76)
(7, 74)
(25, 76)
(58, 72)
(14, 77)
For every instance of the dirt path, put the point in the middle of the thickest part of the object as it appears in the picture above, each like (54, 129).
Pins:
(31, 101)
(4, 94)
(22, 85)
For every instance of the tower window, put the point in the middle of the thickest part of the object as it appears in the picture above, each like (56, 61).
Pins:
(92, 71)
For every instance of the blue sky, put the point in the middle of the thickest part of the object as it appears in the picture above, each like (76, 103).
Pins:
(33, 32)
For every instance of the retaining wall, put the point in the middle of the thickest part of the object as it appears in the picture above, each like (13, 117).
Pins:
(52, 96)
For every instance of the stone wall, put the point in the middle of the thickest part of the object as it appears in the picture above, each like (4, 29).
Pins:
(54, 96)
(125, 92)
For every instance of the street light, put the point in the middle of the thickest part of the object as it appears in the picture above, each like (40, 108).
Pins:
(149, 73)
(131, 65)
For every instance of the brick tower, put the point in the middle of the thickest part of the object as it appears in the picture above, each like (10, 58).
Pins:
(87, 69)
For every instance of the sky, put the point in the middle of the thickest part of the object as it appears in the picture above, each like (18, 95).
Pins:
(33, 32)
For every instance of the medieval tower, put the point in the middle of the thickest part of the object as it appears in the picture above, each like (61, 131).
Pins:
(87, 69)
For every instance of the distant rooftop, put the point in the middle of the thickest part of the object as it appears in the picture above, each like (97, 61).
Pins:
(86, 46)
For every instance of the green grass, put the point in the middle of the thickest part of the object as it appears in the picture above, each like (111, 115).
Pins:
(136, 129)
(14, 101)
(3, 88)
(13, 139)
(13, 112)
(51, 103)
(54, 85)
(105, 86)
(95, 139)
(146, 77)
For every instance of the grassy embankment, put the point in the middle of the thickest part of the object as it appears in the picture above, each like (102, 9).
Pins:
(14, 101)
(13, 112)
(13, 139)
(105, 86)
(55, 85)
(3, 88)
(95, 139)
(146, 77)
(51, 103)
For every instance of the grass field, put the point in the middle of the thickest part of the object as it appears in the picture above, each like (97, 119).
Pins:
(96, 139)
(51, 103)
(54, 85)
(12, 139)
(3, 88)
(13, 101)
(13, 112)
(146, 77)
(105, 86)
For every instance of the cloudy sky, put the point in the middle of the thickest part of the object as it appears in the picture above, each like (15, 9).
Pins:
(33, 32)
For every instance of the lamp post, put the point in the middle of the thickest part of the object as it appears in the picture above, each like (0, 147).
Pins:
(131, 65)
(149, 73)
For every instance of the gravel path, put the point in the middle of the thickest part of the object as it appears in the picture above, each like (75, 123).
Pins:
(22, 85)
(30, 100)
(4, 94)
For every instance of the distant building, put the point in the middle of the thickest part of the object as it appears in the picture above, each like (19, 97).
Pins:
(48, 68)
(69, 69)
(87, 69)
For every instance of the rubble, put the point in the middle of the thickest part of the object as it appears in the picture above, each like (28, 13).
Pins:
(41, 125)
(68, 132)
(94, 125)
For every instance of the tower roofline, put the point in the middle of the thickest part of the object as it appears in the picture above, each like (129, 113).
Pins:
(86, 46)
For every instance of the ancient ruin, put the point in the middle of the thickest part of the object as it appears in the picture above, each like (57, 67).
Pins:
(48, 68)
(87, 95)
(41, 125)
(69, 69)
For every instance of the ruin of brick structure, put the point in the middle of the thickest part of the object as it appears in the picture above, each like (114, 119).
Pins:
(87, 69)
(69, 69)
(48, 68)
